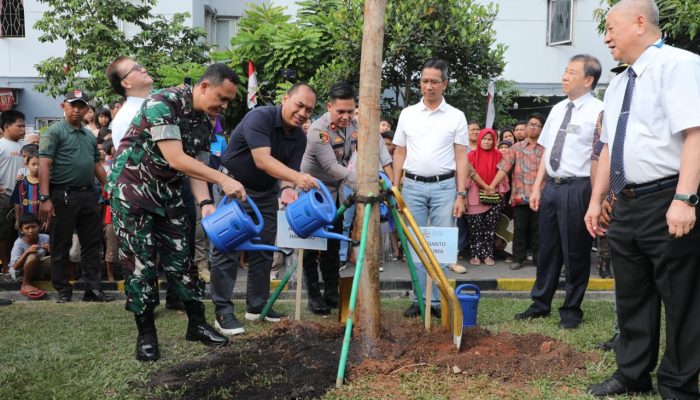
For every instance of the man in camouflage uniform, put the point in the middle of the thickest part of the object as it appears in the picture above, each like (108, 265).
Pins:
(331, 141)
(148, 210)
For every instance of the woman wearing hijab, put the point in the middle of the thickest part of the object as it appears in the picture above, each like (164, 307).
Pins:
(483, 210)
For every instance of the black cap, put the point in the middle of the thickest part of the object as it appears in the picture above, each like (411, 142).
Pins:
(76, 95)
(620, 67)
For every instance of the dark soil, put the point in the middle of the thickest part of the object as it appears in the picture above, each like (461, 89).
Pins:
(300, 360)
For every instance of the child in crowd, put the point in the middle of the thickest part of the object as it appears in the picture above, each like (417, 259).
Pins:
(25, 196)
(108, 235)
(30, 258)
(504, 146)
(26, 152)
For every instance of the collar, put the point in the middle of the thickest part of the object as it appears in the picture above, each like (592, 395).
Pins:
(71, 127)
(278, 117)
(581, 100)
(134, 99)
(647, 56)
(441, 107)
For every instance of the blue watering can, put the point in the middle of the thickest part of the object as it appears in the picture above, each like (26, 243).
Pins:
(312, 214)
(469, 303)
(230, 228)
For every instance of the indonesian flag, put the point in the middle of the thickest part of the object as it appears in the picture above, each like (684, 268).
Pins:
(490, 110)
(252, 85)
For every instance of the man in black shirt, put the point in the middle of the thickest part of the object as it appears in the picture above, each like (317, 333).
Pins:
(266, 147)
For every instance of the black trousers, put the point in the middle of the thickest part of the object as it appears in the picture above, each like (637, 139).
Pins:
(75, 211)
(328, 260)
(563, 240)
(651, 267)
(525, 233)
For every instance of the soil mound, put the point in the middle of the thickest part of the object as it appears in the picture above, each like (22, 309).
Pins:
(300, 360)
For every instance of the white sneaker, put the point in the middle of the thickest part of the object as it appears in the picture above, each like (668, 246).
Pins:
(381, 269)
(272, 316)
(228, 325)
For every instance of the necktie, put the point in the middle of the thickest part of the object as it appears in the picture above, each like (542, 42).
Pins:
(617, 157)
(555, 157)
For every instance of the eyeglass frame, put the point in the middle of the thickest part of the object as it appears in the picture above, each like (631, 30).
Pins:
(136, 67)
(531, 125)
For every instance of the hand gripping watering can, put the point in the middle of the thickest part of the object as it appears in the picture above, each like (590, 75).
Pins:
(313, 213)
(469, 303)
(230, 228)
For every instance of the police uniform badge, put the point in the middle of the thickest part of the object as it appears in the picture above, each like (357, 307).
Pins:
(354, 135)
(338, 139)
(325, 137)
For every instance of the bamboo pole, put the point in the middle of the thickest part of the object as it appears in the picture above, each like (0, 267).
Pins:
(297, 300)
(368, 159)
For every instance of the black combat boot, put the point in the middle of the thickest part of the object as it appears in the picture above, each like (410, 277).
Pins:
(316, 303)
(197, 328)
(147, 340)
(330, 294)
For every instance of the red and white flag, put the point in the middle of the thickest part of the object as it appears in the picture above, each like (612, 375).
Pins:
(252, 99)
(490, 109)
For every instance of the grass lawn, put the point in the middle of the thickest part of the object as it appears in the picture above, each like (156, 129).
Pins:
(86, 351)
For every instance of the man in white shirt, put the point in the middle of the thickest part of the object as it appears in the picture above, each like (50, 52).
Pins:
(651, 131)
(431, 146)
(129, 79)
(565, 173)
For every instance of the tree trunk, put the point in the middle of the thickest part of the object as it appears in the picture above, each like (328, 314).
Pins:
(368, 162)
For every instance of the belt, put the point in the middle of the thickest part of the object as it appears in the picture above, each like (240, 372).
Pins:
(71, 188)
(649, 187)
(564, 181)
(436, 178)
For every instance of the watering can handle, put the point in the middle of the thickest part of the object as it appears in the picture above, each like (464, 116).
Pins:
(326, 193)
(259, 226)
(459, 288)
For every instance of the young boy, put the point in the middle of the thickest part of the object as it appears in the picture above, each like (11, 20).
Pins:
(25, 197)
(10, 162)
(30, 259)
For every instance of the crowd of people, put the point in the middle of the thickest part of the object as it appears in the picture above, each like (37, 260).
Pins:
(121, 192)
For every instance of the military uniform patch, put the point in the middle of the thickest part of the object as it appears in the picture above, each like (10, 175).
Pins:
(324, 136)
(338, 139)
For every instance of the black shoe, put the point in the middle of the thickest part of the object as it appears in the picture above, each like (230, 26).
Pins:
(227, 324)
(272, 315)
(5, 302)
(97, 295)
(609, 344)
(147, 340)
(569, 324)
(331, 296)
(197, 328)
(516, 265)
(64, 296)
(316, 303)
(604, 271)
(412, 311)
(613, 387)
(173, 303)
(436, 312)
(531, 314)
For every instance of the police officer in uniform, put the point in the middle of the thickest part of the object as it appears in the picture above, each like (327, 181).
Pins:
(331, 141)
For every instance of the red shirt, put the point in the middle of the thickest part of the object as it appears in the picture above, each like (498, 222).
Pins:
(523, 159)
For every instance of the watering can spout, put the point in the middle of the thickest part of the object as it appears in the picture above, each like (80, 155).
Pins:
(250, 246)
(322, 232)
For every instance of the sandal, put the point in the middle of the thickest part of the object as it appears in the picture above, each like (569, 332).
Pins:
(489, 261)
(33, 293)
(474, 261)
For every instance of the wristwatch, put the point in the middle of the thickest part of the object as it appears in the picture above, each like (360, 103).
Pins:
(689, 199)
(43, 197)
(463, 194)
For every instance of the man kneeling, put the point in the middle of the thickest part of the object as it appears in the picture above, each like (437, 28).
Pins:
(30, 259)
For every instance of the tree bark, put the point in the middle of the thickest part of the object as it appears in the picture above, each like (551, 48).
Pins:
(368, 163)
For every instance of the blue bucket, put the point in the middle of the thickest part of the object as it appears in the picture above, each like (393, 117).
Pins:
(230, 228)
(469, 303)
(312, 214)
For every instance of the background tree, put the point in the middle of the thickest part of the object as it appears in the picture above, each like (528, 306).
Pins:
(93, 38)
(679, 19)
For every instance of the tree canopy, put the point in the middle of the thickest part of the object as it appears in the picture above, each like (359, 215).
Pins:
(91, 30)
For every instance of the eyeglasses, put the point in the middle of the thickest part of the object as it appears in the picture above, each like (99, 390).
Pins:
(433, 82)
(531, 125)
(136, 67)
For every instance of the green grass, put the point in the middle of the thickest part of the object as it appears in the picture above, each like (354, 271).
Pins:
(86, 351)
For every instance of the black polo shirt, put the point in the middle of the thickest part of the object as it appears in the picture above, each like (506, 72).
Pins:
(262, 127)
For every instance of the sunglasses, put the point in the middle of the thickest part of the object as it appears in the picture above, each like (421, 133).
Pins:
(136, 67)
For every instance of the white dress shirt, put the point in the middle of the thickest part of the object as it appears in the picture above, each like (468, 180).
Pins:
(429, 137)
(575, 158)
(665, 101)
(124, 117)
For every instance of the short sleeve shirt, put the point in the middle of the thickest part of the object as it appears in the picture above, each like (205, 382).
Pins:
(523, 159)
(140, 174)
(73, 151)
(262, 127)
(21, 245)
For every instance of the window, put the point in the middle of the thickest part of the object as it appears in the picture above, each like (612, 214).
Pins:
(559, 22)
(12, 18)
(226, 28)
(44, 122)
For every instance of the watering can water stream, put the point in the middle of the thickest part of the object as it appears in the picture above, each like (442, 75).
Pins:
(312, 214)
(230, 228)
